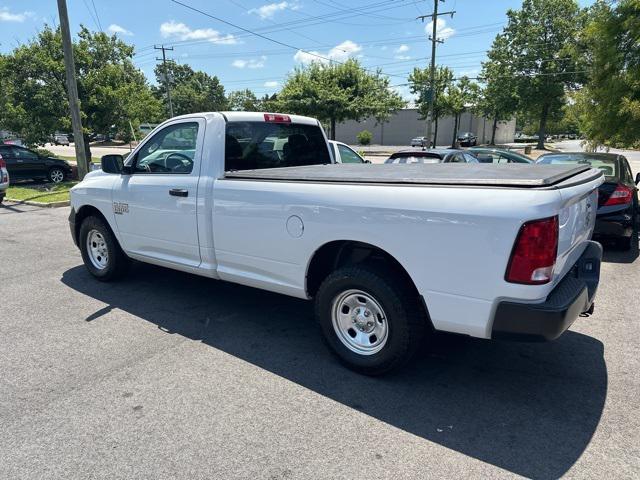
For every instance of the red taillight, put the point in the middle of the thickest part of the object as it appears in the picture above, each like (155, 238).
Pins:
(276, 118)
(3, 164)
(621, 195)
(534, 253)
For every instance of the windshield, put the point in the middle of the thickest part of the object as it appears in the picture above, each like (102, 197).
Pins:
(607, 165)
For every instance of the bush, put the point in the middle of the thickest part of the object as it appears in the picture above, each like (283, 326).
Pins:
(43, 152)
(365, 137)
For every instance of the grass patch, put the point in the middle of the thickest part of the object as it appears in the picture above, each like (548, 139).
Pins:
(45, 193)
(73, 159)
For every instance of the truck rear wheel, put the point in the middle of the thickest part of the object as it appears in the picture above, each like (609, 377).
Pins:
(100, 250)
(370, 318)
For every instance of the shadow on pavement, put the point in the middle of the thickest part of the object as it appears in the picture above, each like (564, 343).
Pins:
(528, 408)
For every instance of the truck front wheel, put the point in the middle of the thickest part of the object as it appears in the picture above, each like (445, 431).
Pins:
(370, 318)
(100, 250)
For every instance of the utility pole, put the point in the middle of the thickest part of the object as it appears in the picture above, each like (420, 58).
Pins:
(72, 90)
(166, 74)
(434, 41)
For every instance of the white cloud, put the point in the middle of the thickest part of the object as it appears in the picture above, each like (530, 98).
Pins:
(7, 16)
(271, 84)
(442, 31)
(339, 53)
(270, 9)
(251, 63)
(179, 30)
(402, 49)
(114, 28)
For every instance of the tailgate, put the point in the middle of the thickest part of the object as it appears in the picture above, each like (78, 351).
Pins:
(577, 217)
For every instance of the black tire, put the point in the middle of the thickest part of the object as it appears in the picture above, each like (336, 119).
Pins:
(56, 175)
(406, 318)
(117, 263)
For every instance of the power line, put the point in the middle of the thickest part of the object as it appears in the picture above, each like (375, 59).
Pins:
(313, 54)
(319, 19)
(238, 4)
(97, 16)
(95, 22)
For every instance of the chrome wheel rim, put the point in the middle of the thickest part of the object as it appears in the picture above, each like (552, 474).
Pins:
(359, 322)
(97, 250)
(57, 176)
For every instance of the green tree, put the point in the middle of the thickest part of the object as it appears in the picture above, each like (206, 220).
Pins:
(244, 101)
(459, 97)
(609, 105)
(538, 43)
(113, 93)
(420, 85)
(191, 91)
(337, 92)
(499, 97)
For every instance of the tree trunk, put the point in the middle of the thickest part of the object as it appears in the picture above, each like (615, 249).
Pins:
(493, 130)
(87, 151)
(435, 132)
(543, 126)
(333, 128)
(455, 131)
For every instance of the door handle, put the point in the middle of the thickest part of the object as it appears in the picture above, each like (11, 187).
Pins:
(179, 192)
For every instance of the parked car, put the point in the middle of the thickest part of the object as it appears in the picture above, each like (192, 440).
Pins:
(467, 139)
(23, 163)
(618, 213)
(343, 153)
(434, 155)
(60, 139)
(500, 263)
(4, 179)
(420, 142)
(498, 155)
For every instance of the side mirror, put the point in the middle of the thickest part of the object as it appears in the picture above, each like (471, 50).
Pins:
(369, 161)
(638, 179)
(112, 163)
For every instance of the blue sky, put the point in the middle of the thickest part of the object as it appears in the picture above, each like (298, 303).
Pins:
(380, 33)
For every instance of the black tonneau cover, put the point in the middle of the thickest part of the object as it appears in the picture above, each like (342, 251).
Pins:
(495, 175)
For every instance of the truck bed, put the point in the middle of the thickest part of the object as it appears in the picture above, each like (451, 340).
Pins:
(500, 175)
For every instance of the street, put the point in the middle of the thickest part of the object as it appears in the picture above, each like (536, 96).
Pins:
(169, 375)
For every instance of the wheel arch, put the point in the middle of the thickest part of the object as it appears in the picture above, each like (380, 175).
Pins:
(87, 211)
(339, 253)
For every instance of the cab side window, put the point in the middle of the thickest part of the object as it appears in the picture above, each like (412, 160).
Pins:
(171, 150)
(348, 156)
(24, 154)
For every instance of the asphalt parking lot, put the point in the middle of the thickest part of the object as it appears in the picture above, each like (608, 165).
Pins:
(169, 375)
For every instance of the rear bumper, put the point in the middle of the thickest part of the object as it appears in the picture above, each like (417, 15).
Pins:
(614, 225)
(548, 320)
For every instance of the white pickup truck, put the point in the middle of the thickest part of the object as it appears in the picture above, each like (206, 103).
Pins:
(389, 253)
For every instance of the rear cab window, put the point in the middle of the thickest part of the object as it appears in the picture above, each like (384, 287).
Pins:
(253, 145)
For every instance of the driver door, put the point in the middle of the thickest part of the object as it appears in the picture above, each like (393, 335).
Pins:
(156, 205)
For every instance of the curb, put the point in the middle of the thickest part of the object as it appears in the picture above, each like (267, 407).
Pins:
(63, 203)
